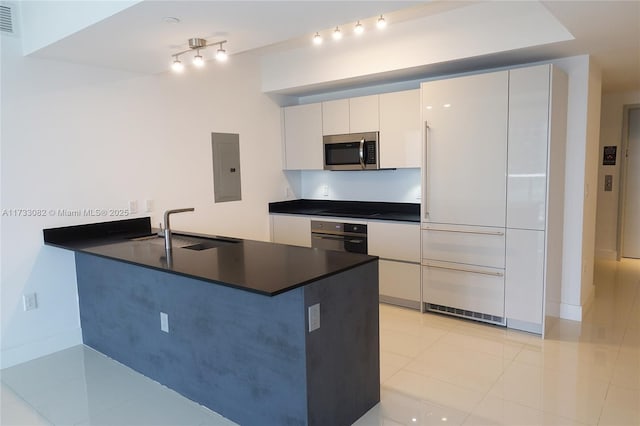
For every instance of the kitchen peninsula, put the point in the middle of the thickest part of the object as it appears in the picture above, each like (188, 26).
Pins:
(261, 333)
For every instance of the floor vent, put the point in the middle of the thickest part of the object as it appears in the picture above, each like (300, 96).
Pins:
(6, 19)
(478, 316)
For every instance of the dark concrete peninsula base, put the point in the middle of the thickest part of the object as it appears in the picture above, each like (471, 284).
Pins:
(246, 356)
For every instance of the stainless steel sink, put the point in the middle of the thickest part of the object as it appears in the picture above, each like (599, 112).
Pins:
(190, 243)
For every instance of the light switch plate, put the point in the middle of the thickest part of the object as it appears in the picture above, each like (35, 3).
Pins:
(164, 322)
(314, 317)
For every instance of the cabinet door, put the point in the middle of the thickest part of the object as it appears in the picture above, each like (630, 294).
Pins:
(335, 117)
(303, 137)
(293, 230)
(364, 114)
(400, 283)
(528, 135)
(466, 149)
(400, 130)
(524, 276)
(396, 241)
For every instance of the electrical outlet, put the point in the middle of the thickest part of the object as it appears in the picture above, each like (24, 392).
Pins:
(314, 317)
(148, 206)
(325, 190)
(30, 301)
(133, 207)
(164, 322)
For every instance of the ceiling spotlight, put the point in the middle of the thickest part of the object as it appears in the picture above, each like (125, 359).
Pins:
(381, 22)
(198, 60)
(337, 34)
(221, 54)
(177, 66)
(359, 28)
(317, 39)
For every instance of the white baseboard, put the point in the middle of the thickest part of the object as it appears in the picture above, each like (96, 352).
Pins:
(606, 254)
(564, 311)
(33, 350)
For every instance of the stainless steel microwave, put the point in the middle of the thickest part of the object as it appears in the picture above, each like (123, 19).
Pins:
(353, 151)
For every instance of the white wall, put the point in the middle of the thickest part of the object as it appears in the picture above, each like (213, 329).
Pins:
(45, 22)
(610, 135)
(77, 137)
(580, 181)
(401, 185)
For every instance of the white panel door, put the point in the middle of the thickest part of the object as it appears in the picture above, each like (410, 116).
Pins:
(524, 275)
(466, 149)
(335, 117)
(400, 130)
(303, 137)
(364, 114)
(631, 227)
(527, 147)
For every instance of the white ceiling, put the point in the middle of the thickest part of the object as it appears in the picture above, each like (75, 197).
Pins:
(138, 39)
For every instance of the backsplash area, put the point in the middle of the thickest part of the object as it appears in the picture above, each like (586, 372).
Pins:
(401, 185)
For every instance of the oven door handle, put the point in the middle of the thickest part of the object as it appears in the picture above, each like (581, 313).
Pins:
(362, 153)
(327, 237)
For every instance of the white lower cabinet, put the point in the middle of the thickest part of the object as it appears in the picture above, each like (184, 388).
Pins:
(400, 283)
(293, 230)
(398, 246)
(464, 290)
(524, 279)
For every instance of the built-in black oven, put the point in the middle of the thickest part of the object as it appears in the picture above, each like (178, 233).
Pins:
(353, 151)
(351, 237)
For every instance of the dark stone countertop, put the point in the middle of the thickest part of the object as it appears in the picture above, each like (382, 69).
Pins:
(256, 266)
(404, 212)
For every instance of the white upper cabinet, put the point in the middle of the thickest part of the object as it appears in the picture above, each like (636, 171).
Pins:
(528, 141)
(352, 115)
(466, 149)
(364, 114)
(303, 137)
(400, 130)
(335, 117)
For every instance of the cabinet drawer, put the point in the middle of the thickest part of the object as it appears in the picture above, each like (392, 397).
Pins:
(465, 288)
(471, 245)
(395, 241)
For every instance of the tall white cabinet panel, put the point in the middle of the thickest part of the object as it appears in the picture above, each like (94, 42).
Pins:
(335, 117)
(525, 278)
(364, 114)
(400, 130)
(466, 149)
(528, 135)
(303, 137)
(293, 230)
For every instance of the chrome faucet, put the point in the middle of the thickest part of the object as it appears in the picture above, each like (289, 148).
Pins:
(167, 226)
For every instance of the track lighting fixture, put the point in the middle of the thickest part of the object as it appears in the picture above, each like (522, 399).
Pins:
(317, 39)
(198, 44)
(382, 23)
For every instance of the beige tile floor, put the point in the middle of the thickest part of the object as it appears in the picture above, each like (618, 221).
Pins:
(434, 370)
